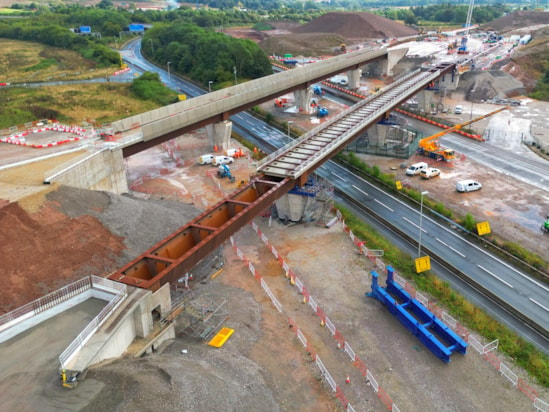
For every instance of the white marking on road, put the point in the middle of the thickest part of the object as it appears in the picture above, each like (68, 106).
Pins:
(413, 224)
(539, 304)
(360, 190)
(496, 276)
(528, 278)
(384, 205)
(339, 177)
(451, 248)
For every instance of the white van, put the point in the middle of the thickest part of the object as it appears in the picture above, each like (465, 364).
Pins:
(206, 159)
(459, 109)
(222, 160)
(416, 168)
(468, 185)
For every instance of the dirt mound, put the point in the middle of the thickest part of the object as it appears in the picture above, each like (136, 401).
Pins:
(308, 44)
(518, 19)
(75, 233)
(360, 25)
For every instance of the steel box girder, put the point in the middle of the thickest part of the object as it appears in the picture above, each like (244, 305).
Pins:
(177, 254)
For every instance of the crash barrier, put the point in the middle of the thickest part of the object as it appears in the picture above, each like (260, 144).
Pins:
(121, 71)
(20, 138)
(300, 335)
(120, 293)
(433, 333)
(485, 350)
(342, 343)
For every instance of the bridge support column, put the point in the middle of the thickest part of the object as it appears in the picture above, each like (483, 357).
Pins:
(425, 99)
(449, 81)
(220, 134)
(378, 135)
(303, 100)
(393, 57)
(353, 77)
(292, 207)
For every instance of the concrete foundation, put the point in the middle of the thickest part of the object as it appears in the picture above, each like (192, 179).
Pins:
(303, 100)
(425, 100)
(102, 170)
(220, 134)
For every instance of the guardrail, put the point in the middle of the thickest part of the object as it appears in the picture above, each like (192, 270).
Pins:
(96, 322)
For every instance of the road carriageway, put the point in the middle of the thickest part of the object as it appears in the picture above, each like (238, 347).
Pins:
(173, 257)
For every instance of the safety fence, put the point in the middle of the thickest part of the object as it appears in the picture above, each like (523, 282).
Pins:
(121, 71)
(342, 343)
(299, 333)
(119, 293)
(485, 350)
(44, 303)
(20, 138)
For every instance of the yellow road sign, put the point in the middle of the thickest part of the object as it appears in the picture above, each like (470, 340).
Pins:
(423, 264)
(483, 228)
(398, 185)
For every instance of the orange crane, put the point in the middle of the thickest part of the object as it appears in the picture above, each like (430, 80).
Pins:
(430, 146)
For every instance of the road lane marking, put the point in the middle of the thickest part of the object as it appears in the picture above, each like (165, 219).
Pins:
(451, 248)
(342, 178)
(360, 190)
(413, 224)
(496, 276)
(385, 206)
(539, 304)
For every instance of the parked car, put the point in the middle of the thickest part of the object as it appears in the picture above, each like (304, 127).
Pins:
(222, 160)
(458, 109)
(206, 159)
(468, 185)
(416, 168)
(429, 173)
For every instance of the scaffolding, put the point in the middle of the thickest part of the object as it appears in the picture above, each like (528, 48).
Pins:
(321, 205)
(201, 315)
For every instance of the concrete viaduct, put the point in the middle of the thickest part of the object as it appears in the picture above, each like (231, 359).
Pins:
(214, 109)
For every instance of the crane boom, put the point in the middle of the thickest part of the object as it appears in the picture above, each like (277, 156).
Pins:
(430, 146)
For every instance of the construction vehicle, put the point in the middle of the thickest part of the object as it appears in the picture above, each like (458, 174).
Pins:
(545, 225)
(225, 171)
(321, 112)
(69, 380)
(318, 90)
(430, 146)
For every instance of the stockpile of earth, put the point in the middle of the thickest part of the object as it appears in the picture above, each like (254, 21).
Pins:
(518, 19)
(360, 25)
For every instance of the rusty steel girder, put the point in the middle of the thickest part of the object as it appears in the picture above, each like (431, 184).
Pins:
(177, 254)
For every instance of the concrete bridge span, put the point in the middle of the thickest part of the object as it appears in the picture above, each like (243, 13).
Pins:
(157, 126)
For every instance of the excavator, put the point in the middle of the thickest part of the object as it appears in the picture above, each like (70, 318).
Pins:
(430, 146)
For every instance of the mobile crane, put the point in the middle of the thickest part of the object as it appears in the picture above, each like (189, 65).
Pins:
(430, 146)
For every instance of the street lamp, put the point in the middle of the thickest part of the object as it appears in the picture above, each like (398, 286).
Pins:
(420, 221)
(210, 86)
(152, 48)
(234, 71)
(289, 123)
(169, 75)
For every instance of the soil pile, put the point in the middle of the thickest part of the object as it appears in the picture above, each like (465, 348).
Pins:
(518, 19)
(360, 25)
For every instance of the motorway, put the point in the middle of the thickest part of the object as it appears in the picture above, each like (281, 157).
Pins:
(505, 282)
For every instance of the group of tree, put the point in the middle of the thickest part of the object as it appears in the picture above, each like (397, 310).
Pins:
(205, 55)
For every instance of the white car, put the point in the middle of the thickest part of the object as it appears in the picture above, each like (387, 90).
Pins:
(468, 185)
(429, 173)
(222, 160)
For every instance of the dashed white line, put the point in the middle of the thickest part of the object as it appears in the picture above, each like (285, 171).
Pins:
(385, 206)
(339, 177)
(413, 224)
(496, 277)
(360, 190)
(450, 247)
(539, 304)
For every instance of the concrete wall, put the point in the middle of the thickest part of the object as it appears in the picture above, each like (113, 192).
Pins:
(103, 170)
